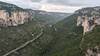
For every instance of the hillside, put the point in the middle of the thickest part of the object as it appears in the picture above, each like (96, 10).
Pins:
(90, 11)
(55, 41)
(74, 42)
(8, 7)
(69, 39)
(49, 17)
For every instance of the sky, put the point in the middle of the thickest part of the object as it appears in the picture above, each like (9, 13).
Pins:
(67, 6)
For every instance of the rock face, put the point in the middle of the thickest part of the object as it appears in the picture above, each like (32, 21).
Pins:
(12, 15)
(88, 18)
(16, 17)
(93, 51)
(88, 23)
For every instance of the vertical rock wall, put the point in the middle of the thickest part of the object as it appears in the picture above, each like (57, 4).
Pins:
(16, 17)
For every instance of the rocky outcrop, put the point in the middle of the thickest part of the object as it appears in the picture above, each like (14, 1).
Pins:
(93, 51)
(88, 23)
(12, 15)
(88, 18)
(14, 18)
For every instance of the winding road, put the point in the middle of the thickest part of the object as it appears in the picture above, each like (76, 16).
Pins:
(26, 43)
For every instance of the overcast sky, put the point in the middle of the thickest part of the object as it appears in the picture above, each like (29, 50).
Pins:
(68, 6)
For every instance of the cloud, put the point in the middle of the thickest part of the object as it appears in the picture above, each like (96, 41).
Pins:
(54, 5)
(84, 2)
(61, 2)
(36, 0)
(76, 2)
(24, 3)
(58, 8)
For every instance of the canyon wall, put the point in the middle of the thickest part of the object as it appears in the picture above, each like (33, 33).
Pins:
(14, 18)
(88, 23)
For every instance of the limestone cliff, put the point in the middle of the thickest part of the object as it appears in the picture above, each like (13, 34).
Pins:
(88, 18)
(88, 23)
(93, 51)
(16, 17)
(11, 15)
